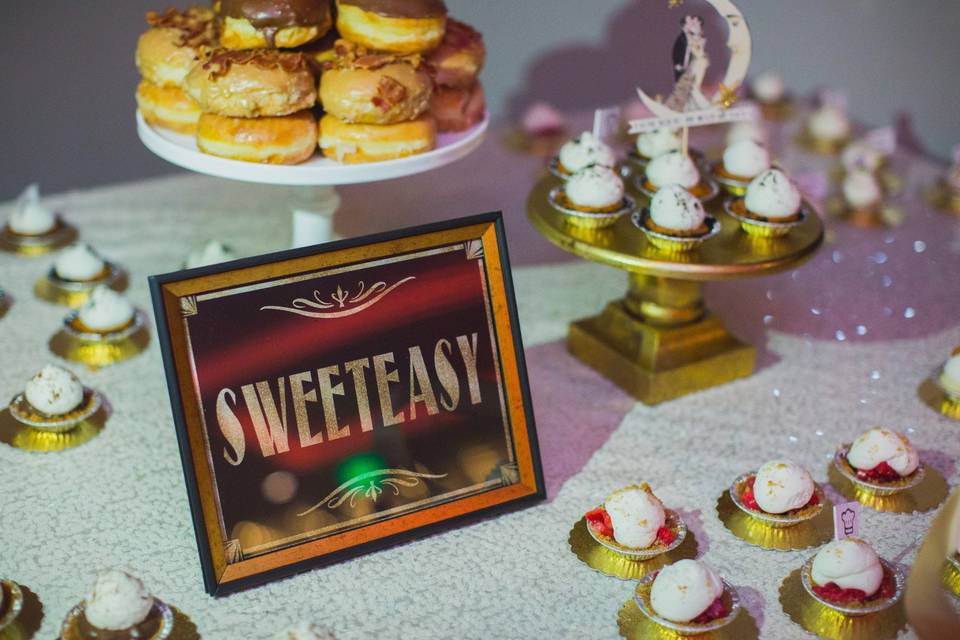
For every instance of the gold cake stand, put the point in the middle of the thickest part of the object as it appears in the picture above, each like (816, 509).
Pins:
(660, 342)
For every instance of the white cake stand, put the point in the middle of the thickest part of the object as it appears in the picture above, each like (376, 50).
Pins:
(316, 201)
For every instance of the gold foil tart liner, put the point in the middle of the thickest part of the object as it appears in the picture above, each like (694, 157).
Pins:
(808, 141)
(12, 603)
(617, 565)
(101, 350)
(776, 520)
(951, 574)
(809, 533)
(932, 393)
(55, 289)
(925, 496)
(867, 608)
(686, 629)
(869, 486)
(673, 522)
(711, 187)
(71, 627)
(733, 185)
(673, 244)
(763, 228)
(26, 415)
(61, 235)
(634, 625)
(586, 219)
(825, 622)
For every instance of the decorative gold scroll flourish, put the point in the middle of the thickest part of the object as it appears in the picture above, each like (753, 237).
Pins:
(341, 300)
(370, 485)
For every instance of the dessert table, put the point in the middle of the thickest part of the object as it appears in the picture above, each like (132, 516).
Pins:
(845, 342)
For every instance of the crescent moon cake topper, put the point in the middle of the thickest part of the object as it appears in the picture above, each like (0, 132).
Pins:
(687, 105)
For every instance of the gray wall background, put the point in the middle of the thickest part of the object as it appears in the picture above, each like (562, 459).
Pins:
(67, 76)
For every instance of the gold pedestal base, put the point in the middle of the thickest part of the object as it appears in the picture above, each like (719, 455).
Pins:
(659, 363)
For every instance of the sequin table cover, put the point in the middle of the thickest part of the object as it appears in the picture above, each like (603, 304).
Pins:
(846, 341)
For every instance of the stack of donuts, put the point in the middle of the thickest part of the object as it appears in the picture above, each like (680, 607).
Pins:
(271, 80)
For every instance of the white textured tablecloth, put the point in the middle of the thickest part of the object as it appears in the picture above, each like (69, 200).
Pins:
(120, 500)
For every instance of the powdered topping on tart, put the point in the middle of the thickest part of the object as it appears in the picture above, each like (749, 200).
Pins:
(30, 217)
(745, 159)
(772, 196)
(768, 87)
(54, 391)
(830, 123)
(883, 455)
(214, 252)
(658, 142)
(305, 631)
(950, 376)
(675, 211)
(780, 487)
(673, 168)
(594, 188)
(117, 601)
(846, 568)
(105, 310)
(633, 517)
(79, 263)
(861, 189)
(688, 591)
(585, 150)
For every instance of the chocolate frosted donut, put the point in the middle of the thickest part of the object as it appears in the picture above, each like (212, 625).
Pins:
(257, 24)
(398, 26)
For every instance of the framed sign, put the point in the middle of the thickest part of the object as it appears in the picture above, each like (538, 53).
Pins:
(335, 399)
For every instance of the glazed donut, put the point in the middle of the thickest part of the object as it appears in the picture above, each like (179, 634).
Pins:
(459, 59)
(174, 43)
(271, 140)
(400, 26)
(263, 24)
(167, 107)
(458, 109)
(249, 84)
(367, 88)
(353, 143)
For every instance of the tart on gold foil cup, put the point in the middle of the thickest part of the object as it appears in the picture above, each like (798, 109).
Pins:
(730, 599)
(616, 565)
(673, 522)
(11, 603)
(73, 326)
(157, 626)
(73, 293)
(776, 520)
(672, 243)
(805, 535)
(856, 609)
(61, 235)
(732, 184)
(876, 488)
(761, 227)
(25, 414)
(589, 219)
(705, 190)
(79, 344)
(952, 394)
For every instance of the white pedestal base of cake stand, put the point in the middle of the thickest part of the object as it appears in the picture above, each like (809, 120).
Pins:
(314, 203)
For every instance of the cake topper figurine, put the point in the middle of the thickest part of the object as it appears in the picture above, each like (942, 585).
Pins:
(688, 104)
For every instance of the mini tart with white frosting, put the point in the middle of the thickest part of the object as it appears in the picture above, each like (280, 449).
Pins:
(950, 376)
(583, 151)
(214, 252)
(849, 573)
(118, 607)
(771, 199)
(882, 456)
(768, 88)
(688, 592)
(652, 144)
(743, 160)
(54, 392)
(633, 518)
(862, 190)
(80, 263)
(781, 491)
(593, 189)
(829, 124)
(679, 169)
(30, 218)
(104, 312)
(674, 211)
